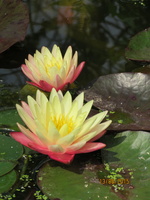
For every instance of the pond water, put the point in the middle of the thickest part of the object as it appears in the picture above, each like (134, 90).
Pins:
(99, 30)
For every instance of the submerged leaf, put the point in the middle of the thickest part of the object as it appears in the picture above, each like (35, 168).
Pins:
(139, 47)
(14, 15)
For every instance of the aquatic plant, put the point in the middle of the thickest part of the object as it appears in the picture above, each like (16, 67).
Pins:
(49, 70)
(58, 126)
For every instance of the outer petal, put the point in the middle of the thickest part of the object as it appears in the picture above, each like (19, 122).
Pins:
(23, 139)
(20, 137)
(35, 84)
(64, 158)
(28, 73)
(90, 146)
(97, 136)
(26, 108)
(46, 86)
(77, 72)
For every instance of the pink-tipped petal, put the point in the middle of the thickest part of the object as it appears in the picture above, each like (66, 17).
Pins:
(46, 86)
(63, 158)
(20, 137)
(98, 136)
(59, 81)
(28, 73)
(26, 108)
(34, 84)
(26, 141)
(77, 72)
(62, 86)
(43, 85)
(90, 146)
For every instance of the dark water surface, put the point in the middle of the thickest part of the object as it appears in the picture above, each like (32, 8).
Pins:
(99, 30)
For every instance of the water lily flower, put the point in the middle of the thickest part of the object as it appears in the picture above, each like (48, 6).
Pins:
(49, 70)
(58, 126)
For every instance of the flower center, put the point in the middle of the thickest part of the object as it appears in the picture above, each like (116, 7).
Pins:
(61, 121)
(49, 63)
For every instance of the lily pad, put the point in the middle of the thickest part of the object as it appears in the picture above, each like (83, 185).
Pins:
(128, 152)
(10, 150)
(131, 150)
(13, 26)
(5, 167)
(127, 98)
(139, 47)
(7, 181)
(77, 181)
(8, 119)
(29, 90)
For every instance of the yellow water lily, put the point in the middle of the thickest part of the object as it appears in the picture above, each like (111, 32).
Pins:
(49, 70)
(58, 126)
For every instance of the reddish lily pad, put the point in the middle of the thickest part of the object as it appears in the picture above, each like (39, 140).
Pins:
(127, 98)
(13, 25)
(139, 47)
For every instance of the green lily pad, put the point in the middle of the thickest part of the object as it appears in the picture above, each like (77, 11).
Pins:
(5, 167)
(10, 150)
(77, 181)
(127, 158)
(127, 98)
(8, 119)
(139, 47)
(29, 90)
(131, 150)
(7, 181)
(15, 17)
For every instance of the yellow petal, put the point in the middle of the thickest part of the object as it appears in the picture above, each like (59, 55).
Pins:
(87, 137)
(57, 107)
(74, 60)
(38, 56)
(46, 53)
(41, 132)
(29, 134)
(56, 148)
(52, 95)
(53, 133)
(80, 99)
(87, 107)
(101, 127)
(32, 104)
(73, 111)
(80, 119)
(97, 118)
(75, 146)
(56, 52)
(66, 140)
(26, 118)
(63, 130)
(68, 57)
(66, 103)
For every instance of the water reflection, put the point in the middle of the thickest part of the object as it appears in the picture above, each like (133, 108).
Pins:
(12, 77)
(99, 30)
